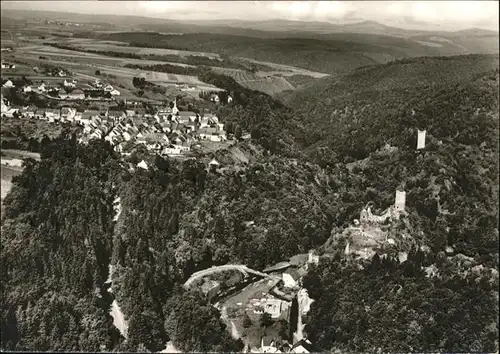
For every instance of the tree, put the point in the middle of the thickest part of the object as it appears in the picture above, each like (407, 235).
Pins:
(283, 329)
(140, 93)
(265, 320)
(98, 72)
(247, 322)
(238, 132)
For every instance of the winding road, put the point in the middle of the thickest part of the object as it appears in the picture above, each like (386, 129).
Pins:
(242, 268)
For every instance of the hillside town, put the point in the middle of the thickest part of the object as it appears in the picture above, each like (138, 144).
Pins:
(166, 131)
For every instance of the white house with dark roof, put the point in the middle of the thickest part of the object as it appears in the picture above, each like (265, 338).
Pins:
(292, 276)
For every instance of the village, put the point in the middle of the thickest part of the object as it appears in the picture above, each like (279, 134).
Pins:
(161, 129)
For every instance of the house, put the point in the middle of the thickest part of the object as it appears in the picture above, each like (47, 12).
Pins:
(291, 277)
(63, 93)
(116, 115)
(304, 346)
(68, 83)
(171, 150)
(213, 165)
(130, 113)
(229, 99)
(27, 89)
(8, 83)
(40, 114)
(272, 307)
(78, 117)
(96, 120)
(114, 92)
(312, 258)
(126, 136)
(183, 147)
(211, 134)
(140, 139)
(143, 165)
(5, 107)
(96, 134)
(215, 98)
(267, 345)
(304, 301)
(68, 113)
(42, 87)
(76, 95)
(8, 66)
(52, 115)
(186, 116)
(88, 116)
(174, 128)
(108, 88)
(29, 112)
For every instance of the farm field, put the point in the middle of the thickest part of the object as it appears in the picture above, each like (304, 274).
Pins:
(155, 77)
(270, 82)
(53, 53)
(11, 166)
(123, 47)
(265, 83)
(284, 69)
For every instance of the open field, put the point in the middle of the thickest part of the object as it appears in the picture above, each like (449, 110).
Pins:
(157, 78)
(11, 166)
(76, 58)
(259, 81)
(270, 82)
(123, 47)
(287, 69)
(19, 154)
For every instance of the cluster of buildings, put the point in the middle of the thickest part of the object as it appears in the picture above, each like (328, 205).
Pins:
(166, 132)
(69, 90)
(7, 65)
(269, 344)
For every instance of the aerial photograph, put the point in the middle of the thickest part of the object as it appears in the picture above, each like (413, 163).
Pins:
(249, 176)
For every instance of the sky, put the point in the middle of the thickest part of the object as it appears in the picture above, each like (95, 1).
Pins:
(450, 15)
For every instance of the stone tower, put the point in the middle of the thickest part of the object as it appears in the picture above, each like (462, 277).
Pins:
(400, 201)
(421, 139)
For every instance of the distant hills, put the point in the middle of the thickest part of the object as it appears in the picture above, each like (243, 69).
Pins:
(334, 53)
(258, 28)
(321, 46)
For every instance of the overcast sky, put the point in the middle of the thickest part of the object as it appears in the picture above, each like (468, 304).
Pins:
(410, 14)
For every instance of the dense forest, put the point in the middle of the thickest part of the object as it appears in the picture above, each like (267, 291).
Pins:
(310, 166)
(56, 242)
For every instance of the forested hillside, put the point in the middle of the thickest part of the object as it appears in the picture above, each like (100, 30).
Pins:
(337, 53)
(369, 119)
(56, 243)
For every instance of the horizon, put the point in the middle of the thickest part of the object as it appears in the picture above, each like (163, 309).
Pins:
(411, 15)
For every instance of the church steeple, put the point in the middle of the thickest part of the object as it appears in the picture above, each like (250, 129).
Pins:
(175, 109)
